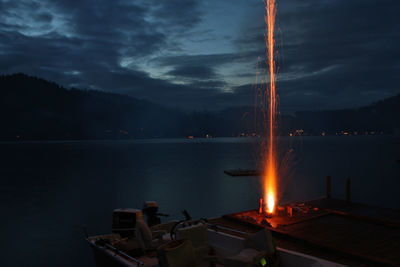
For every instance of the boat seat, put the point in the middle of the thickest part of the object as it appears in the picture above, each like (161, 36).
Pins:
(177, 253)
(147, 238)
(197, 234)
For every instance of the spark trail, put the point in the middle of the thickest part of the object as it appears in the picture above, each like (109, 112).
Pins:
(270, 175)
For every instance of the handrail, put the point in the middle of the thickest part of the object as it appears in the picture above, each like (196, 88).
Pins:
(117, 251)
(213, 226)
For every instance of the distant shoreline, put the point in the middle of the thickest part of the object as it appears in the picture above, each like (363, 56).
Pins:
(182, 139)
(34, 109)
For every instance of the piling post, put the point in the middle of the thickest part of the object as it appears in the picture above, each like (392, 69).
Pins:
(348, 196)
(85, 232)
(328, 187)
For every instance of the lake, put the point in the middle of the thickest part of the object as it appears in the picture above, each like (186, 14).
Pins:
(49, 190)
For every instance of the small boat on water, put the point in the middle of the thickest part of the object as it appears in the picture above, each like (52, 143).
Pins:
(188, 242)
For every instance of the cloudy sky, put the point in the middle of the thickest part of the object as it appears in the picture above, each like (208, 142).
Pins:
(203, 54)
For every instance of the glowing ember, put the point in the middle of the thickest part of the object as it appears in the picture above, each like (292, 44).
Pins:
(271, 202)
(270, 176)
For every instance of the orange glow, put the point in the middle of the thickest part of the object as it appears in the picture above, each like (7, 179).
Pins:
(270, 182)
(270, 176)
(260, 209)
(271, 203)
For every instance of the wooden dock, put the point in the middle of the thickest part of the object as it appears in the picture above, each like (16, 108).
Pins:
(240, 172)
(337, 230)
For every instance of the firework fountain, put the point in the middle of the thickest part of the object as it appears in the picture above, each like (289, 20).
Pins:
(270, 155)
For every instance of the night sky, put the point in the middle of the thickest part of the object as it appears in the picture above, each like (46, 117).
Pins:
(203, 54)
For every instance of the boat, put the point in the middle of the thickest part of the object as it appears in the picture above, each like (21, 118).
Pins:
(188, 242)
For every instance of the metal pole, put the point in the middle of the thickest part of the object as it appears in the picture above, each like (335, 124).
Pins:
(348, 195)
(328, 187)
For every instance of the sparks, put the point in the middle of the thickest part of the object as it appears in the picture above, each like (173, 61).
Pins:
(270, 176)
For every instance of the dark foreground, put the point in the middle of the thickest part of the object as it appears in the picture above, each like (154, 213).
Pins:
(49, 190)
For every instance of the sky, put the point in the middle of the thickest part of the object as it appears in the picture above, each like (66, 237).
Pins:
(203, 55)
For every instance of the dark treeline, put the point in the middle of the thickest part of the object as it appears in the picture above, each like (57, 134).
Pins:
(380, 117)
(35, 109)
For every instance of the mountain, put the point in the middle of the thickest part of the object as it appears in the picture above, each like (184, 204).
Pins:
(379, 117)
(35, 109)
(382, 116)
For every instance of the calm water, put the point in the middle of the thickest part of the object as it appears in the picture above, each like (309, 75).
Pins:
(50, 190)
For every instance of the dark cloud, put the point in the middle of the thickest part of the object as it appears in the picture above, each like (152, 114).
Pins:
(87, 43)
(191, 71)
(177, 14)
(339, 54)
(332, 54)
